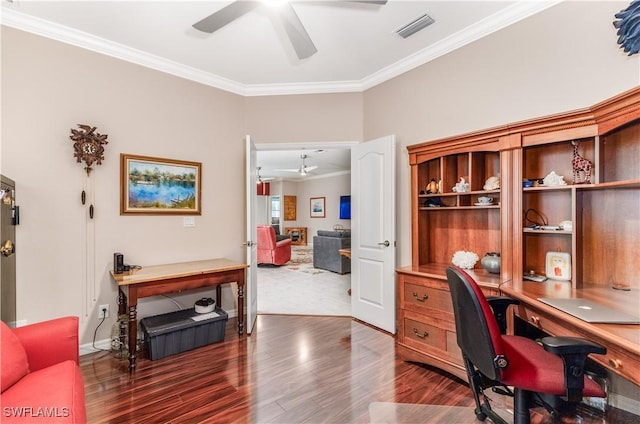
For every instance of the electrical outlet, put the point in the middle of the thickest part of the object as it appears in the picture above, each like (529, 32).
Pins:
(103, 311)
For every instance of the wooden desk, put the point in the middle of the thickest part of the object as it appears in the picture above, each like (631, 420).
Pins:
(173, 278)
(622, 341)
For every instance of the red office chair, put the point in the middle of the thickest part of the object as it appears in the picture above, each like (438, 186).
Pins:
(495, 360)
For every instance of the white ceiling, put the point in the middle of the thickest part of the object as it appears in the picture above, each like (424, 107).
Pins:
(329, 161)
(356, 42)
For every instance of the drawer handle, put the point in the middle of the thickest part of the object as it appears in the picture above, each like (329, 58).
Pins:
(420, 299)
(422, 336)
(535, 321)
(615, 363)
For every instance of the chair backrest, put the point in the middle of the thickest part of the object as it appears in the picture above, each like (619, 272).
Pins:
(478, 334)
(266, 237)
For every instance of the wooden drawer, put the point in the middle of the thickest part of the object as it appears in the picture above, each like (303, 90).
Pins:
(420, 296)
(616, 360)
(422, 333)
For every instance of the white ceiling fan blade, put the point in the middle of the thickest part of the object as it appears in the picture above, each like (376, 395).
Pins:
(227, 14)
(310, 168)
(381, 2)
(298, 35)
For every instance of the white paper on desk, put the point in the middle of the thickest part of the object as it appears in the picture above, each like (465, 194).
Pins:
(202, 317)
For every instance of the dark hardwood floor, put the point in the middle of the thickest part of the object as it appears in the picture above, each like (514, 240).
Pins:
(293, 369)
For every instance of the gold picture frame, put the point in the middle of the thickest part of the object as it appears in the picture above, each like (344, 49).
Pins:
(159, 186)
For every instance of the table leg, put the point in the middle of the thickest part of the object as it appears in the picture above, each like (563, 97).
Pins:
(219, 296)
(133, 337)
(122, 302)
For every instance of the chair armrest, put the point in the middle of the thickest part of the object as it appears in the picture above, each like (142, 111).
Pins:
(573, 351)
(50, 342)
(571, 345)
(499, 305)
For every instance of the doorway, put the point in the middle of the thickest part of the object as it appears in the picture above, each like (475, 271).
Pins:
(297, 287)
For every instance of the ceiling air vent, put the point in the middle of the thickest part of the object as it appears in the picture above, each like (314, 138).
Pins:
(415, 26)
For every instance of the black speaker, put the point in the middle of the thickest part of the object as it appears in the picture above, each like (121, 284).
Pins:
(118, 263)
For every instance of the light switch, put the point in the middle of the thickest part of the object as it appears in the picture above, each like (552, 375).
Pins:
(189, 221)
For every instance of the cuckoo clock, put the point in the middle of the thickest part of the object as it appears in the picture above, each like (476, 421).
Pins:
(88, 145)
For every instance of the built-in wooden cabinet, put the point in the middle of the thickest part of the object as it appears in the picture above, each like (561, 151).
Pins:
(602, 240)
(447, 219)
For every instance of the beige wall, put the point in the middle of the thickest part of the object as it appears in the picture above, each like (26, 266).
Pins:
(331, 188)
(49, 87)
(314, 118)
(563, 58)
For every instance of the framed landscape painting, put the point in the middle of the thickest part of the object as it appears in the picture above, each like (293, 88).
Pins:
(317, 207)
(151, 186)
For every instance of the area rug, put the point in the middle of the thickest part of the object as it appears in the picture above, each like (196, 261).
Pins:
(302, 260)
(299, 289)
(408, 413)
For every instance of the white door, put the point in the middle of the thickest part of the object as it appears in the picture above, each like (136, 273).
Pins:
(373, 233)
(251, 287)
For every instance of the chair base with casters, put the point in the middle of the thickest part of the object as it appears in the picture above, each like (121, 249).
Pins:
(497, 361)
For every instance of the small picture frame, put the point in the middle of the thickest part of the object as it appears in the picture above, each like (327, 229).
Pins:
(558, 266)
(159, 186)
(317, 207)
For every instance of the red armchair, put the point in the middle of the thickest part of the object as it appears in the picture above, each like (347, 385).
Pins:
(40, 373)
(269, 250)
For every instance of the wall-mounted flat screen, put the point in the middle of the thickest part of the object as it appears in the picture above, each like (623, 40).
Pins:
(345, 207)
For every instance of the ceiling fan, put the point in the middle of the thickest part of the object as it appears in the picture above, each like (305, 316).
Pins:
(260, 179)
(304, 169)
(300, 39)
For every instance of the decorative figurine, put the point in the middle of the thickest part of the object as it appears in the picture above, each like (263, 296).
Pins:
(432, 187)
(492, 183)
(580, 164)
(554, 179)
(461, 187)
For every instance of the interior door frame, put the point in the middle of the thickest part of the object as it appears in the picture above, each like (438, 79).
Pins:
(308, 146)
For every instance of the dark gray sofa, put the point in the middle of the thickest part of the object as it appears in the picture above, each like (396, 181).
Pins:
(325, 251)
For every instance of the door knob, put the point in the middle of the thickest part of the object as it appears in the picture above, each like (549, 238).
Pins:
(384, 243)
(7, 248)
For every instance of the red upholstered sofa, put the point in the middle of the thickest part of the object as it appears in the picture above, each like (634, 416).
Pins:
(41, 380)
(271, 251)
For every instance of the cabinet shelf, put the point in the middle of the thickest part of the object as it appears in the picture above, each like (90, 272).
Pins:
(534, 231)
(445, 208)
(634, 183)
(465, 193)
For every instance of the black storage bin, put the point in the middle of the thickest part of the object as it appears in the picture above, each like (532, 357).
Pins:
(178, 331)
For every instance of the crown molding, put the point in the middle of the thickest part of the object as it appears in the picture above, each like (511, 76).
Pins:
(489, 25)
(87, 41)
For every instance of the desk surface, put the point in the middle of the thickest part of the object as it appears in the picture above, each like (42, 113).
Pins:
(176, 270)
(623, 338)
